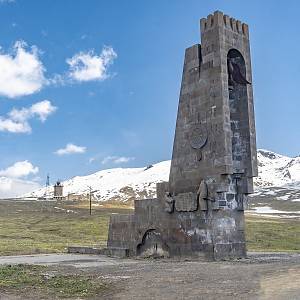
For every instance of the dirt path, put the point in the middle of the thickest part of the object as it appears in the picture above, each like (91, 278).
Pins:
(262, 276)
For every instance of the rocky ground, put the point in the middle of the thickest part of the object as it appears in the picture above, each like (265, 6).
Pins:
(261, 276)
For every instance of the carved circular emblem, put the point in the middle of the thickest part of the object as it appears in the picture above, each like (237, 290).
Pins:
(198, 137)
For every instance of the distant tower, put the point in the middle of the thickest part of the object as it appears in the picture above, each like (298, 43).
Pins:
(58, 190)
(48, 181)
(46, 194)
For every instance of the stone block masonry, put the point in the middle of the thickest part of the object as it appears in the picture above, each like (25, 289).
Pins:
(200, 211)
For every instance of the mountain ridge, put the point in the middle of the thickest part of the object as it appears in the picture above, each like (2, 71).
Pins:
(125, 184)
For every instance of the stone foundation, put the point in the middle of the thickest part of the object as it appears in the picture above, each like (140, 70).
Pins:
(151, 231)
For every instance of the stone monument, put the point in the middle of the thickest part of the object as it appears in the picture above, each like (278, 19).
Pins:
(200, 211)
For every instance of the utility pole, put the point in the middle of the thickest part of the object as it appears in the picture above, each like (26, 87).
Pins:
(90, 188)
(90, 197)
(46, 194)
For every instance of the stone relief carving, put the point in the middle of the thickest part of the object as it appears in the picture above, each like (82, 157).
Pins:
(169, 203)
(186, 202)
(242, 201)
(234, 73)
(206, 193)
(198, 137)
(202, 194)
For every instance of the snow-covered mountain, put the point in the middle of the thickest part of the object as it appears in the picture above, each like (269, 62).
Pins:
(278, 174)
(277, 185)
(277, 170)
(120, 184)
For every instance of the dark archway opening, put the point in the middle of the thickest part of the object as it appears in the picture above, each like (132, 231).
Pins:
(152, 245)
(238, 103)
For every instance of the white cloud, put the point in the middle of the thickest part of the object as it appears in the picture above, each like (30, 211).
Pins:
(21, 71)
(19, 169)
(12, 187)
(17, 119)
(87, 66)
(11, 182)
(42, 109)
(70, 149)
(13, 126)
(117, 159)
(5, 184)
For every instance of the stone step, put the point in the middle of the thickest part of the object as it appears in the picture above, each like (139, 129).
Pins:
(84, 250)
(116, 252)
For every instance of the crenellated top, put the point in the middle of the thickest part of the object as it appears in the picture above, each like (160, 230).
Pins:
(219, 19)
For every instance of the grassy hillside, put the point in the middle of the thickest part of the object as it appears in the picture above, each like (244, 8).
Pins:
(43, 227)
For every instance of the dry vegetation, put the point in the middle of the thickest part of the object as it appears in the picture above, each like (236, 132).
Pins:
(41, 282)
(42, 227)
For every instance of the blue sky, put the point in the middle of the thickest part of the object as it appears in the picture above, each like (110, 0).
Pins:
(122, 111)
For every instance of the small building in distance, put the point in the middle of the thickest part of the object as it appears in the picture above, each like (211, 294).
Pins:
(58, 191)
(78, 197)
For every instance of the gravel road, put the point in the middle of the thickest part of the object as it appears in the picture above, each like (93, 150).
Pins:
(261, 276)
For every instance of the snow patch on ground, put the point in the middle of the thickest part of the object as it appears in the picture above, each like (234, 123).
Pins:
(284, 198)
(268, 210)
(66, 210)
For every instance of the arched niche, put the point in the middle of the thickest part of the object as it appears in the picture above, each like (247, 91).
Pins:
(239, 114)
(152, 245)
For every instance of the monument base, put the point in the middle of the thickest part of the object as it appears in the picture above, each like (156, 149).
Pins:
(151, 231)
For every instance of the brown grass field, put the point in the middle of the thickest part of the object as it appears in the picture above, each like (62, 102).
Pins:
(28, 227)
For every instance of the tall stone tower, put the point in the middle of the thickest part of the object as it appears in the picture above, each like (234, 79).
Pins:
(215, 132)
(200, 211)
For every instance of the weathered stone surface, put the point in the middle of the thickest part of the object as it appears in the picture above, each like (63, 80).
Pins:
(169, 203)
(84, 250)
(161, 189)
(186, 202)
(200, 211)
